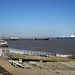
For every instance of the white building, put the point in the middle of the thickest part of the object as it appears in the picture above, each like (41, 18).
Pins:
(14, 37)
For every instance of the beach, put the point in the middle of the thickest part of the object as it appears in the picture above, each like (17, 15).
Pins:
(40, 68)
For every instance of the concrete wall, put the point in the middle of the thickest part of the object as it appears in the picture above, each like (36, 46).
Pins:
(60, 55)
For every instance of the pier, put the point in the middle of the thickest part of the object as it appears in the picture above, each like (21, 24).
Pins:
(20, 38)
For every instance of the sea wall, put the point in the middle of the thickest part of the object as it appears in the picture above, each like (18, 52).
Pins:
(61, 55)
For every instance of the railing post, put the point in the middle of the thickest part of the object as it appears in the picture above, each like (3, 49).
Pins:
(0, 51)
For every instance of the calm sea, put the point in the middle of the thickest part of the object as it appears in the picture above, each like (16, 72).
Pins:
(63, 46)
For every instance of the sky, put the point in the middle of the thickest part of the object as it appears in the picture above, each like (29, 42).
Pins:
(37, 18)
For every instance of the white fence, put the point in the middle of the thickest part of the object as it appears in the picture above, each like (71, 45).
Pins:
(14, 63)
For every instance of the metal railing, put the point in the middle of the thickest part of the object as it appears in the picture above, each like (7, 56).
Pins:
(15, 64)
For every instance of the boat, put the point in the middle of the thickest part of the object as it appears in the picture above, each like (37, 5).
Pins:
(3, 43)
(71, 37)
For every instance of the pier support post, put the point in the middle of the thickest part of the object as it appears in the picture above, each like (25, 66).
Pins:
(41, 61)
(20, 60)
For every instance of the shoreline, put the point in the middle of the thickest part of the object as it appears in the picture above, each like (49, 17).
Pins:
(53, 46)
(9, 52)
(39, 53)
(49, 68)
(47, 65)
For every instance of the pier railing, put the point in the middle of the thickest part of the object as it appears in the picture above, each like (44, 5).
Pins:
(10, 61)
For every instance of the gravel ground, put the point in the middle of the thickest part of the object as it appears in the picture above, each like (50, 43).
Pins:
(70, 64)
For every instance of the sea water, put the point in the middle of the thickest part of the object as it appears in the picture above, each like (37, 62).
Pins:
(62, 46)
